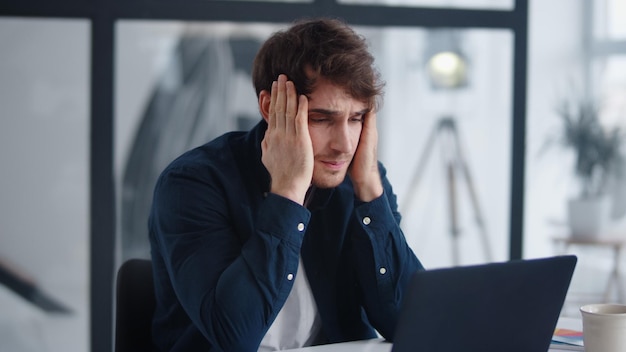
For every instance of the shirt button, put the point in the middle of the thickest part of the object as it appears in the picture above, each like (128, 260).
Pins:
(367, 220)
(290, 277)
(300, 227)
(382, 271)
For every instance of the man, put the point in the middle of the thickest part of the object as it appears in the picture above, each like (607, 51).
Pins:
(287, 235)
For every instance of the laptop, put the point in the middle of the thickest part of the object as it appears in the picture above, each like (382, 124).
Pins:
(501, 307)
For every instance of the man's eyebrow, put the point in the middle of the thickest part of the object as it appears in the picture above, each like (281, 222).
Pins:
(329, 112)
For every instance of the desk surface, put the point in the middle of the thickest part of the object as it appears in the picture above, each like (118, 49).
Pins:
(605, 241)
(379, 345)
(374, 345)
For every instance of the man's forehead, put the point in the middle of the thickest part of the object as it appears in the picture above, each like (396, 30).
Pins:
(330, 108)
(332, 97)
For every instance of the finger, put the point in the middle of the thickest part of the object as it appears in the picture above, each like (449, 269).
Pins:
(281, 101)
(369, 126)
(302, 117)
(369, 120)
(291, 108)
(272, 112)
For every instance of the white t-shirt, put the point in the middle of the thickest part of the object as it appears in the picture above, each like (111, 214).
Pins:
(297, 324)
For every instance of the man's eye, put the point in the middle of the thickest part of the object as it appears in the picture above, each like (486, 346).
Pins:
(357, 118)
(318, 120)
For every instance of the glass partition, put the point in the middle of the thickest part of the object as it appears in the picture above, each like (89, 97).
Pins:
(180, 85)
(445, 138)
(44, 188)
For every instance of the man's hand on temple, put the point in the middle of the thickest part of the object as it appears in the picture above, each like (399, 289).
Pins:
(364, 169)
(287, 148)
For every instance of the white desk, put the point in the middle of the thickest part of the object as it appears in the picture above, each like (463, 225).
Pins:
(379, 345)
(374, 345)
(615, 281)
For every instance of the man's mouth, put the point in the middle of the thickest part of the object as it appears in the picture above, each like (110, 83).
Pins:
(335, 164)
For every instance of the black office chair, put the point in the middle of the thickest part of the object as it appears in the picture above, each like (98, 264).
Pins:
(135, 306)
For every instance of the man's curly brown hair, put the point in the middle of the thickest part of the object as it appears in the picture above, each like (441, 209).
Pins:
(323, 47)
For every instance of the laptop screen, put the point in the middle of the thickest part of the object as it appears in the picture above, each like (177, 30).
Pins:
(509, 306)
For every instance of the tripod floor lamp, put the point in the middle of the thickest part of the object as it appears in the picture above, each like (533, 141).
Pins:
(447, 71)
(457, 171)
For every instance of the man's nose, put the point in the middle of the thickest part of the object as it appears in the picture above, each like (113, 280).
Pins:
(340, 139)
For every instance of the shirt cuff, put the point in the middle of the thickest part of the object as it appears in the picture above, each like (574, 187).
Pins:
(375, 216)
(283, 218)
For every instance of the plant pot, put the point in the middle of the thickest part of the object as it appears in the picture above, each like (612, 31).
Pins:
(587, 217)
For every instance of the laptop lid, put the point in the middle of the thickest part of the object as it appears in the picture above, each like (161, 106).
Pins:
(504, 307)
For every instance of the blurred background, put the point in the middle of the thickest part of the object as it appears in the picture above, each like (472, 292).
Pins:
(448, 137)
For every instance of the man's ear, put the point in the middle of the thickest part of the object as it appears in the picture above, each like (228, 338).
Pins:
(264, 104)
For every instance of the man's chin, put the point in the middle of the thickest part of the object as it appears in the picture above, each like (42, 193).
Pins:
(329, 181)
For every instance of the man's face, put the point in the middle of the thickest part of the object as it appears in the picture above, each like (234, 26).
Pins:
(335, 123)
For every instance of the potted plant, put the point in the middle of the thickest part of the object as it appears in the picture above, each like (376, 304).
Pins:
(598, 155)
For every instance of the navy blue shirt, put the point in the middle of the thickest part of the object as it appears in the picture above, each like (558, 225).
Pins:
(225, 252)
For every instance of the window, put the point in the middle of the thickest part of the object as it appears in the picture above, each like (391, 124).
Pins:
(157, 119)
(44, 152)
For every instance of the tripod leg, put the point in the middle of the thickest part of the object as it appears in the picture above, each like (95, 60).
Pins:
(453, 213)
(473, 196)
(421, 165)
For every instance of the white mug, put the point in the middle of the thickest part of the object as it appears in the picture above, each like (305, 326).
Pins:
(604, 327)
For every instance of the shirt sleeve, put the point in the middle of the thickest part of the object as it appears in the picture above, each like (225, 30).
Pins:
(383, 261)
(231, 284)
